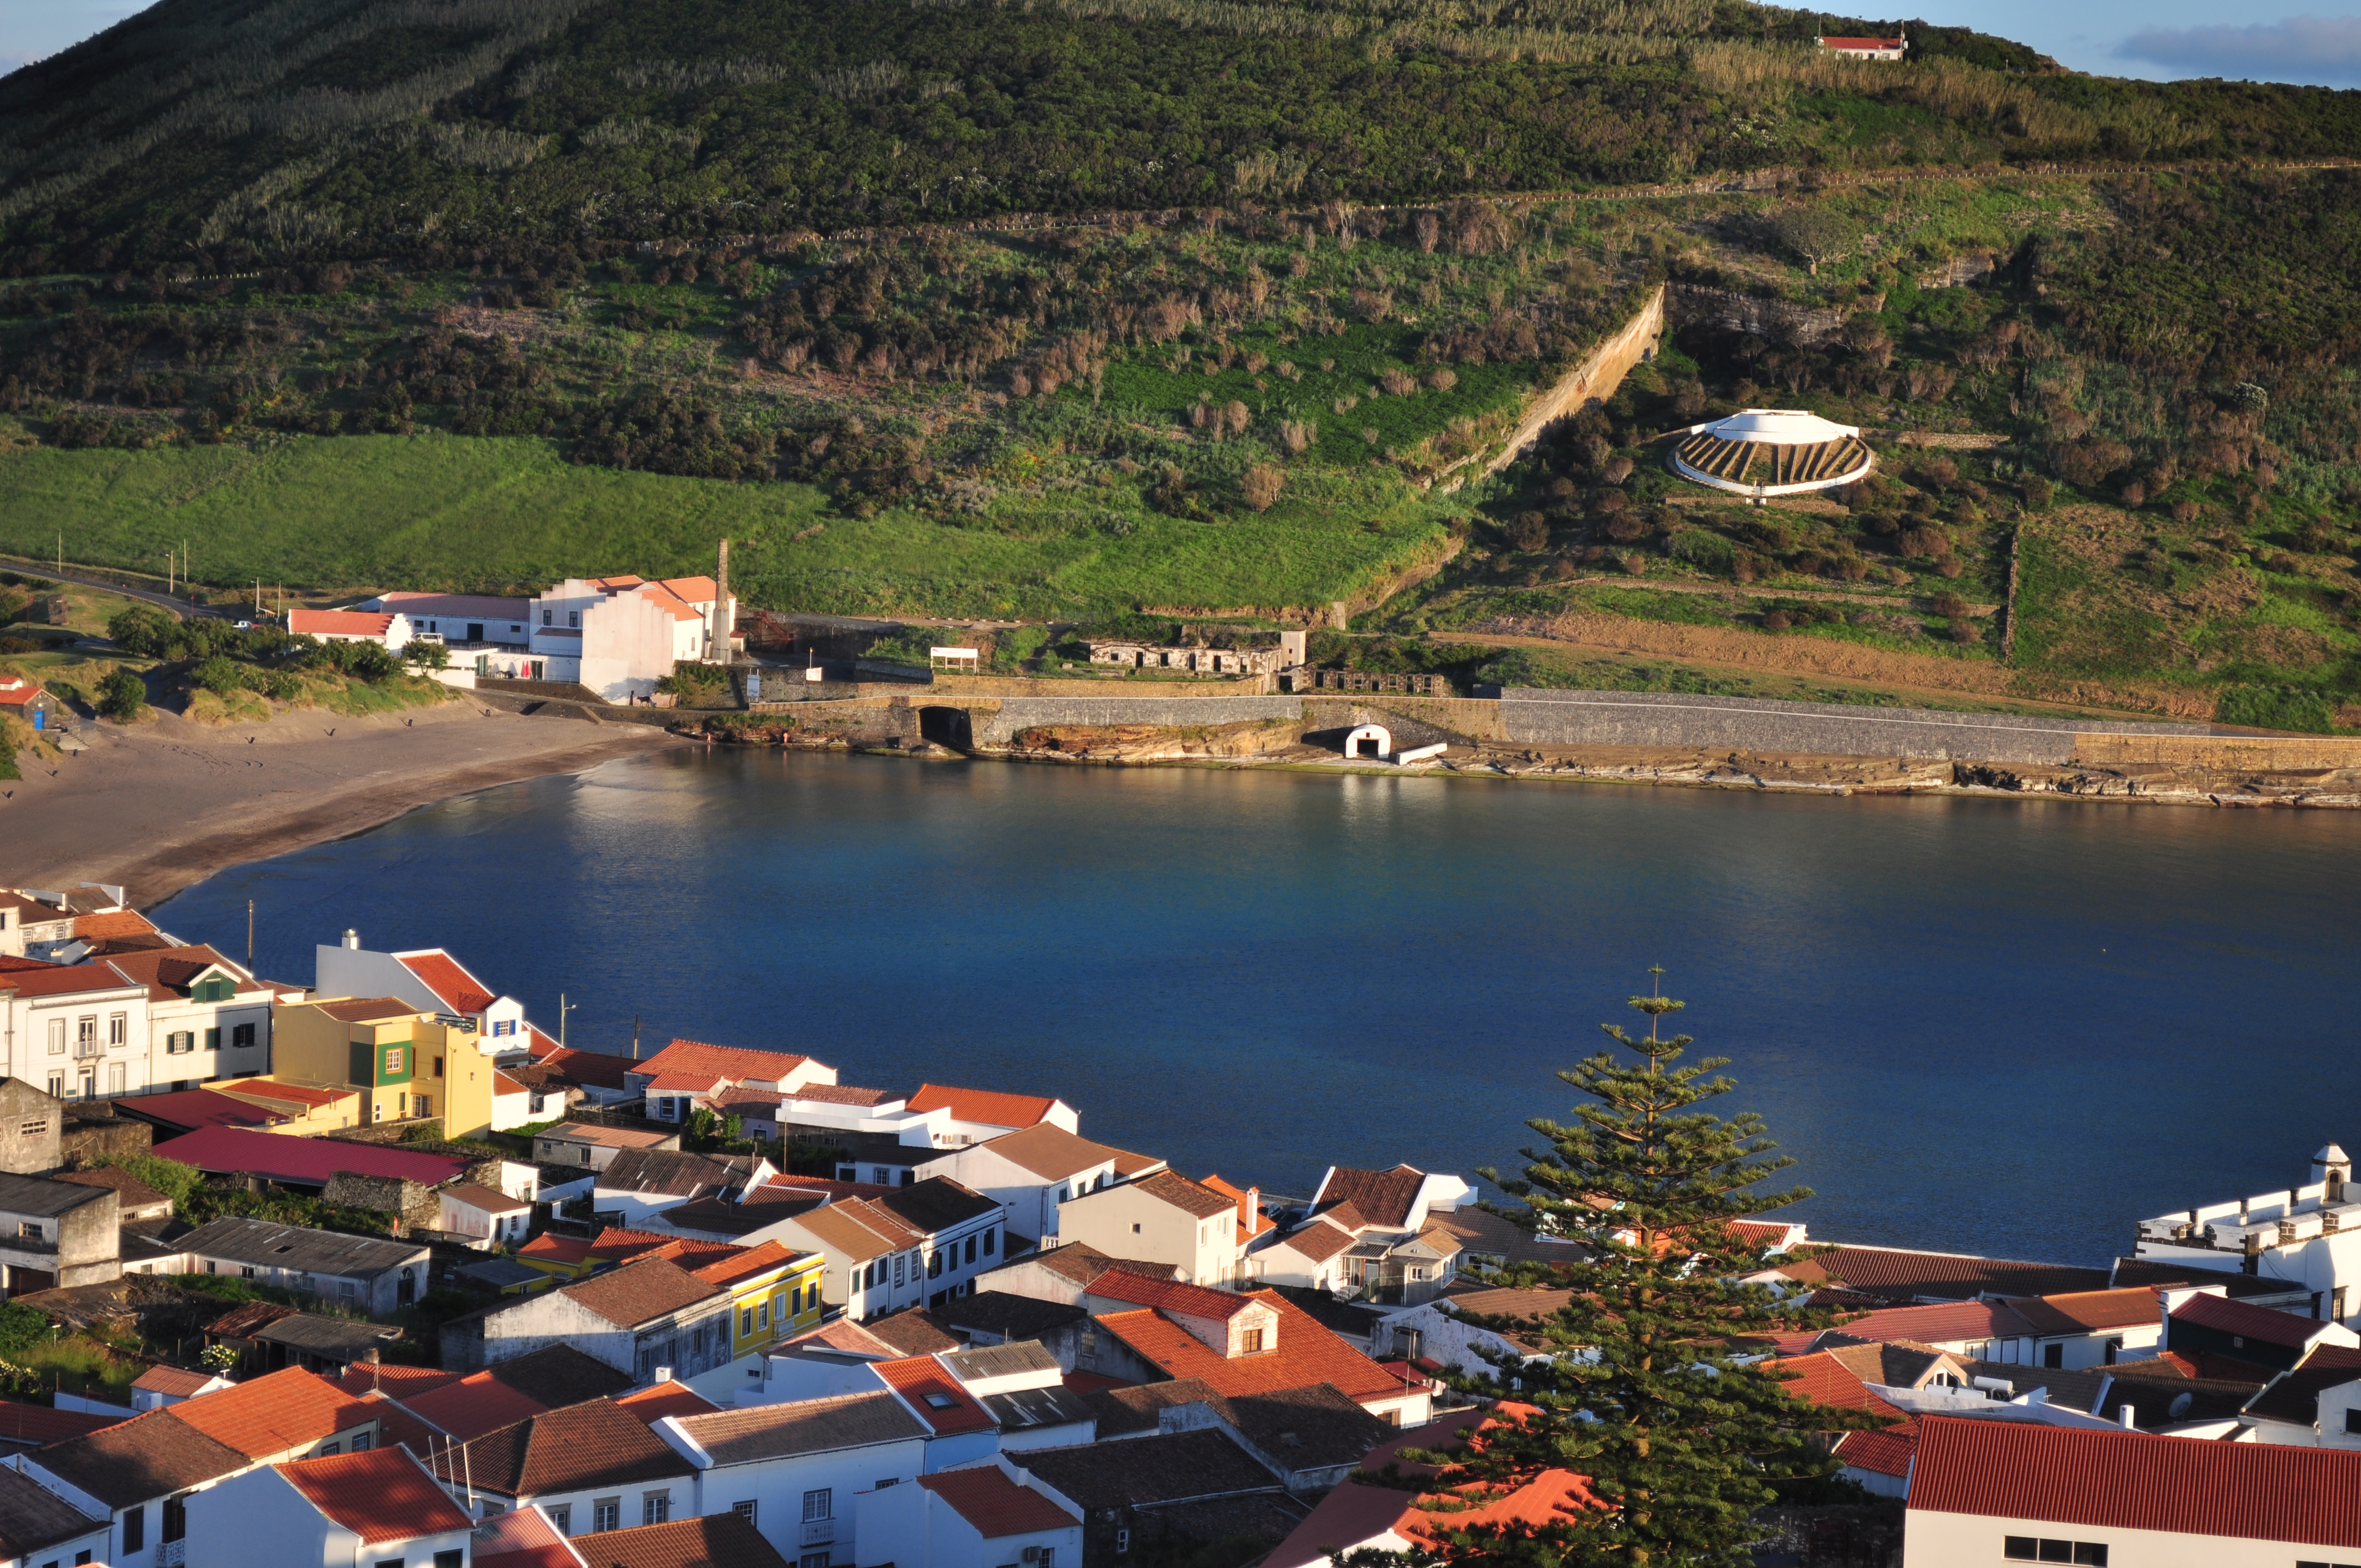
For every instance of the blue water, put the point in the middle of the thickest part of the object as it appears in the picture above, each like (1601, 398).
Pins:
(2002, 1027)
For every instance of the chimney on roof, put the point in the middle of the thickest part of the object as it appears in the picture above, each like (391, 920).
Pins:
(2332, 1170)
(2124, 1413)
(352, 940)
(718, 633)
(663, 1375)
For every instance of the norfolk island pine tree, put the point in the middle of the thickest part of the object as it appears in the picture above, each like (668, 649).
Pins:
(1683, 1433)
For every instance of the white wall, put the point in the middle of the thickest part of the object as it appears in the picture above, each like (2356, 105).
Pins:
(627, 647)
(258, 1517)
(1932, 1540)
(776, 1487)
(1129, 1221)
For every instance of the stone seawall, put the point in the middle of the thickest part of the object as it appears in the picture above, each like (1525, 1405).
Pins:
(1017, 714)
(1537, 717)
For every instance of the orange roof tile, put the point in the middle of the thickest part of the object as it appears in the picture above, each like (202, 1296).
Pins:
(112, 924)
(934, 1394)
(982, 1106)
(551, 1248)
(460, 991)
(996, 1506)
(1305, 1354)
(653, 1404)
(1168, 1295)
(1549, 1497)
(1822, 1379)
(750, 1263)
(338, 623)
(274, 1414)
(738, 1063)
(390, 1378)
(380, 1496)
(1887, 1450)
(1252, 1221)
(473, 1406)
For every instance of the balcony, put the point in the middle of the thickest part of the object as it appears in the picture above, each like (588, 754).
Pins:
(819, 1532)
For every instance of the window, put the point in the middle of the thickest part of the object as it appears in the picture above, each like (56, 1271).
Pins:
(35, 1128)
(30, 1230)
(545, 616)
(819, 1505)
(1121, 1541)
(2352, 1421)
(812, 1560)
(561, 1517)
(1135, 1229)
(438, 1067)
(57, 1086)
(879, 1175)
(606, 1514)
(900, 1261)
(360, 1443)
(783, 1305)
(934, 1266)
(2027, 1548)
(655, 1507)
(744, 1510)
(119, 1028)
(180, 1042)
(86, 1030)
(746, 1323)
(328, 1448)
(135, 1529)
(574, 618)
(971, 1249)
(1251, 1342)
(763, 1313)
(426, 1104)
(114, 1077)
(213, 1040)
(393, 1061)
(455, 1558)
(2053, 1355)
(987, 1240)
(176, 1519)
(391, 1562)
(56, 1037)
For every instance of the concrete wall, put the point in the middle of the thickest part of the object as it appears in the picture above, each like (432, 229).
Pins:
(1024, 713)
(1676, 720)
(1597, 376)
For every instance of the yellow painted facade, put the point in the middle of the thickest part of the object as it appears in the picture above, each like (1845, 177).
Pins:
(399, 1062)
(779, 1302)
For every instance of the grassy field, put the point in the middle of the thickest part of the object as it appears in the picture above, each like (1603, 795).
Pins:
(467, 513)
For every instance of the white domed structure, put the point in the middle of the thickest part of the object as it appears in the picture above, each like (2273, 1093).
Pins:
(1772, 452)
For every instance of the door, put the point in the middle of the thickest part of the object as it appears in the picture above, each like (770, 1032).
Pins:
(475, 631)
(408, 1292)
(40, 718)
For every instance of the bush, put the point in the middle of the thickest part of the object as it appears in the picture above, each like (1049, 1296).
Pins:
(218, 675)
(1706, 550)
(142, 632)
(427, 655)
(1527, 531)
(1260, 486)
(2276, 707)
(122, 696)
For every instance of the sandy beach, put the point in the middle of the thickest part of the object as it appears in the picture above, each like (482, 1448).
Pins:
(167, 803)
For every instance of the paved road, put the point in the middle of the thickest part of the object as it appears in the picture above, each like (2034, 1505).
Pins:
(179, 608)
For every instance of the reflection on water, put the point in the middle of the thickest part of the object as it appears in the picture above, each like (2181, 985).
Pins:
(1987, 1025)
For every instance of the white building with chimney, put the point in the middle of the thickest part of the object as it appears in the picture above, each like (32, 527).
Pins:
(2306, 1237)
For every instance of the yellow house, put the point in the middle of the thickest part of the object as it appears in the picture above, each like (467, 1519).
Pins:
(310, 1111)
(403, 1063)
(563, 1258)
(773, 1292)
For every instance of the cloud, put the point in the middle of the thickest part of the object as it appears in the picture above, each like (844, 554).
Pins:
(2319, 50)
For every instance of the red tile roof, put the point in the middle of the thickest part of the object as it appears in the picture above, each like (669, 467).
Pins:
(592, 1069)
(1547, 1499)
(274, 1414)
(304, 1161)
(444, 976)
(821, 1186)
(1886, 1451)
(1189, 1197)
(338, 623)
(736, 1063)
(685, 1082)
(1252, 1221)
(112, 923)
(172, 1380)
(1305, 1354)
(1897, 1274)
(713, 1540)
(551, 1248)
(380, 1496)
(748, 1263)
(1945, 1322)
(2085, 1312)
(982, 1106)
(934, 1395)
(996, 1506)
(392, 1378)
(1386, 1197)
(2250, 1323)
(471, 1407)
(2248, 1491)
(1822, 1379)
(522, 1538)
(1168, 1295)
(23, 1423)
(641, 1292)
(653, 1404)
(67, 979)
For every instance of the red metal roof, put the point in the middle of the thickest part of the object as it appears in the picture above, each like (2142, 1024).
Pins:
(996, 1506)
(2250, 1323)
(195, 1109)
(444, 975)
(982, 1106)
(307, 1161)
(2248, 1491)
(934, 1395)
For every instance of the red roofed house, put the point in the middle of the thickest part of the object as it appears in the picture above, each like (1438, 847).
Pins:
(430, 980)
(29, 701)
(1987, 1331)
(1031, 1173)
(1164, 1218)
(390, 632)
(2261, 1335)
(620, 636)
(1392, 1520)
(524, 1538)
(1986, 1492)
(989, 1513)
(976, 1114)
(375, 1507)
(1266, 1345)
(960, 1431)
(83, 1026)
(1866, 48)
(688, 1073)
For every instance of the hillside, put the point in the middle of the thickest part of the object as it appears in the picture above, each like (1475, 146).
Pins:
(1068, 312)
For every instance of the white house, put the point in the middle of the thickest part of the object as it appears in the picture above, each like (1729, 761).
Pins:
(1446, 1332)
(991, 1513)
(906, 1247)
(492, 1219)
(464, 621)
(794, 1469)
(591, 1467)
(1986, 1492)
(1022, 1387)
(350, 1510)
(1165, 1217)
(76, 1028)
(2308, 1237)
(392, 632)
(430, 980)
(620, 636)
(43, 1528)
(1031, 1173)
(1311, 1257)
(977, 1114)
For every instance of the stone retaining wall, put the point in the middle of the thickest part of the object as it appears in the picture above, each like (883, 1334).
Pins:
(1015, 714)
(1600, 372)
(1671, 720)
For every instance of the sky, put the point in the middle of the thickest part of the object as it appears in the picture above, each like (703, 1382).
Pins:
(2155, 38)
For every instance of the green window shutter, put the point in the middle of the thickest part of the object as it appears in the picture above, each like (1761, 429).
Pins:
(362, 1055)
(213, 1040)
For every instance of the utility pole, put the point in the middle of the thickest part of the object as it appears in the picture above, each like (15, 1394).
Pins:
(168, 574)
(635, 1036)
(562, 1010)
(249, 936)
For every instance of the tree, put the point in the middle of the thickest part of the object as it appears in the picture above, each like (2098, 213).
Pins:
(1648, 1397)
(122, 696)
(427, 655)
(1814, 235)
(142, 632)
